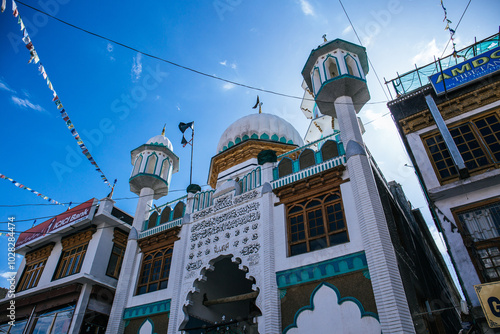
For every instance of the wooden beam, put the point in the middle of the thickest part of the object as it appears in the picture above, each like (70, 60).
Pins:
(231, 299)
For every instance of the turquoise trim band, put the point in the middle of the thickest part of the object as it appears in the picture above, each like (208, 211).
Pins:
(146, 310)
(321, 270)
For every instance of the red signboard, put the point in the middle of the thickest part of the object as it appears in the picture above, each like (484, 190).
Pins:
(78, 213)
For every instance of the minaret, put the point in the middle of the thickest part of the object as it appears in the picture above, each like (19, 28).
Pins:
(335, 74)
(154, 163)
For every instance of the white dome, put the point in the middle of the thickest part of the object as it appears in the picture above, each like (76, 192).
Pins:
(259, 126)
(162, 141)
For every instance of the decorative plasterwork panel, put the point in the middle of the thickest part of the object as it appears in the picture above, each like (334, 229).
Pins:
(311, 186)
(39, 254)
(159, 240)
(230, 225)
(119, 237)
(452, 108)
(78, 239)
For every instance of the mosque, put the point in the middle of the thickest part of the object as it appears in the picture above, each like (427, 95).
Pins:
(295, 236)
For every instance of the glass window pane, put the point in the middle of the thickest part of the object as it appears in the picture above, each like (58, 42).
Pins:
(338, 238)
(319, 243)
(153, 287)
(17, 329)
(298, 249)
(43, 323)
(62, 322)
(141, 290)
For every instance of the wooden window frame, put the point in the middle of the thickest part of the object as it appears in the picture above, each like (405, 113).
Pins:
(473, 247)
(147, 273)
(35, 263)
(304, 212)
(478, 137)
(74, 247)
(160, 242)
(119, 242)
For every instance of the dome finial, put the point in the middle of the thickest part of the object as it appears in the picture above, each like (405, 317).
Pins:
(259, 104)
(163, 131)
(324, 38)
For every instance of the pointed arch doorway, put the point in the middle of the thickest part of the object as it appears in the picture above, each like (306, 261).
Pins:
(224, 301)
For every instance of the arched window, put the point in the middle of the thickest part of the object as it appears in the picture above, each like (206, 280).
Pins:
(151, 164)
(316, 80)
(352, 66)
(152, 220)
(306, 158)
(165, 215)
(155, 270)
(165, 166)
(285, 167)
(329, 150)
(178, 210)
(137, 165)
(316, 223)
(331, 67)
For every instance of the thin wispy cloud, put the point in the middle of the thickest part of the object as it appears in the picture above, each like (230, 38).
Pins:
(137, 67)
(306, 7)
(26, 104)
(427, 54)
(228, 86)
(5, 87)
(225, 63)
(7, 274)
(347, 30)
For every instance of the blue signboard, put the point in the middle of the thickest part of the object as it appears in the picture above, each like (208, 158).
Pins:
(467, 71)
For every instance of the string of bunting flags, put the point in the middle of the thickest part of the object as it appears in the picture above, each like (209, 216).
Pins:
(452, 32)
(22, 186)
(64, 115)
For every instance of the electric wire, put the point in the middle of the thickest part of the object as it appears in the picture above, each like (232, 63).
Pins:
(360, 43)
(179, 65)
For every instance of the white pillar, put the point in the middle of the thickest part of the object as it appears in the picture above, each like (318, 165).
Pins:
(116, 325)
(81, 306)
(392, 307)
(177, 272)
(270, 321)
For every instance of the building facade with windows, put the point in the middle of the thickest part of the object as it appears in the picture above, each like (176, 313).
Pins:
(292, 237)
(448, 115)
(67, 279)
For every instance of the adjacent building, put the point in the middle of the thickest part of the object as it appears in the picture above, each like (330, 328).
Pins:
(448, 115)
(67, 279)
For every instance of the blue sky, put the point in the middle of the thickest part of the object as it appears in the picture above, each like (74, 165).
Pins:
(118, 99)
